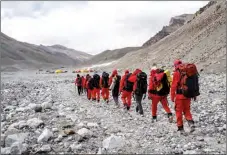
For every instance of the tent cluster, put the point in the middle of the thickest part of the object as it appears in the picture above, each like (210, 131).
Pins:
(83, 71)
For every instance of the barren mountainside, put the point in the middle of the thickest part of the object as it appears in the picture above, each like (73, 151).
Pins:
(201, 40)
(19, 55)
(174, 24)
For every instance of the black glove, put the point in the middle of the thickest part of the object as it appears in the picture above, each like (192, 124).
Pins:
(144, 96)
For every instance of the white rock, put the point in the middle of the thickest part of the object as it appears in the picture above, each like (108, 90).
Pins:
(92, 125)
(84, 132)
(5, 150)
(74, 147)
(45, 148)
(102, 151)
(46, 105)
(18, 137)
(34, 122)
(45, 136)
(18, 148)
(113, 142)
(81, 125)
(55, 129)
(190, 152)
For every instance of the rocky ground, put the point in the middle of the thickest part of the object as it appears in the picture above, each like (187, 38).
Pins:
(43, 114)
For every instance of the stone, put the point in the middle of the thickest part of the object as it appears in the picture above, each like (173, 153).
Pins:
(113, 142)
(81, 125)
(55, 129)
(18, 148)
(45, 148)
(69, 131)
(38, 109)
(5, 150)
(45, 136)
(34, 122)
(75, 147)
(84, 132)
(92, 125)
(18, 137)
(46, 105)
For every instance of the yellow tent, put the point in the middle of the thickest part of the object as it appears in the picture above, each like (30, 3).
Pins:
(58, 71)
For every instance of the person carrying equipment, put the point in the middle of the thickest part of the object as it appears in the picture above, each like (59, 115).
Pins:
(140, 90)
(105, 86)
(78, 83)
(115, 86)
(96, 86)
(185, 86)
(159, 88)
(129, 81)
(89, 86)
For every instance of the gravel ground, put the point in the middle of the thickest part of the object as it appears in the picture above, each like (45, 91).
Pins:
(42, 113)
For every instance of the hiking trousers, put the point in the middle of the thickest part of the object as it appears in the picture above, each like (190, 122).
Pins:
(115, 98)
(105, 93)
(79, 88)
(182, 106)
(126, 98)
(139, 107)
(89, 92)
(96, 94)
(155, 100)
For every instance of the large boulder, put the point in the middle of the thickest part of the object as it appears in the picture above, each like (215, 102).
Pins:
(18, 137)
(18, 148)
(46, 105)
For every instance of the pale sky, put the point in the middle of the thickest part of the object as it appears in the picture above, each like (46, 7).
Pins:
(90, 26)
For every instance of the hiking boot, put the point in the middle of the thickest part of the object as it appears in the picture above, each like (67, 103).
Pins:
(107, 101)
(128, 108)
(93, 99)
(170, 116)
(181, 130)
(98, 101)
(137, 109)
(191, 125)
(154, 119)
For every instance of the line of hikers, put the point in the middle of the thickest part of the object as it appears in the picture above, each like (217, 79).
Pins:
(182, 88)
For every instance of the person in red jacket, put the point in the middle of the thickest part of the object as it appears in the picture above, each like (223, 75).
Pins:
(156, 98)
(182, 104)
(104, 82)
(123, 80)
(78, 83)
(89, 87)
(128, 88)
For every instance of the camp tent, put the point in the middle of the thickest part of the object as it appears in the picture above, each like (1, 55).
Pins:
(58, 71)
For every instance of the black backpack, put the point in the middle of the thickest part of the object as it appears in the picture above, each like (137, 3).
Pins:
(79, 80)
(165, 86)
(128, 85)
(90, 84)
(141, 87)
(105, 80)
(96, 79)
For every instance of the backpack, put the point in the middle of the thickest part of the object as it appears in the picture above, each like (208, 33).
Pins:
(141, 87)
(96, 79)
(128, 86)
(161, 83)
(189, 80)
(90, 83)
(79, 82)
(105, 80)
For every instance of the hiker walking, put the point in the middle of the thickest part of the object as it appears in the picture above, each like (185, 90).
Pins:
(89, 86)
(78, 83)
(115, 86)
(96, 86)
(140, 90)
(184, 87)
(105, 86)
(159, 88)
(128, 82)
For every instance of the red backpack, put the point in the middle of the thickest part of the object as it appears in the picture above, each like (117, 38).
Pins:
(189, 80)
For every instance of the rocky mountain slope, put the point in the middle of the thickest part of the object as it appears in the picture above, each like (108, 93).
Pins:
(201, 40)
(174, 24)
(111, 55)
(19, 55)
